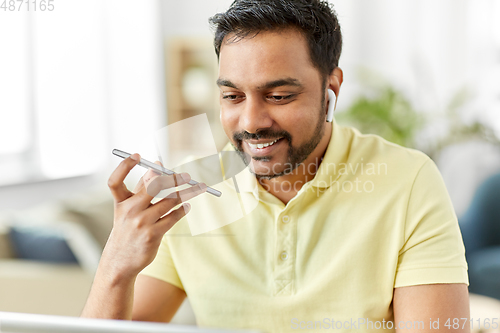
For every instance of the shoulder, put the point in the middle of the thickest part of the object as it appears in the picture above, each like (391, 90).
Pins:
(371, 148)
(370, 158)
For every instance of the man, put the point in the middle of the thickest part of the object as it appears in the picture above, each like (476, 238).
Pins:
(350, 231)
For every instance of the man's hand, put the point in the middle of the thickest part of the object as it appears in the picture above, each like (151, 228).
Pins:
(138, 228)
(138, 225)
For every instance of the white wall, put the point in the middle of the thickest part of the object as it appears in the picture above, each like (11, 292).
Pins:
(429, 49)
(128, 92)
(190, 17)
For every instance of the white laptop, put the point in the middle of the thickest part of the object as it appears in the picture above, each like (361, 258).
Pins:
(11, 322)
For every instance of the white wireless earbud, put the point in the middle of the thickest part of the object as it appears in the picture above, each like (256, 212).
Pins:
(331, 105)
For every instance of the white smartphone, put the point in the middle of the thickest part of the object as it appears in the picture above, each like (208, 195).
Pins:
(158, 168)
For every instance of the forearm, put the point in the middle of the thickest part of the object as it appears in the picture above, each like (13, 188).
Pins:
(111, 296)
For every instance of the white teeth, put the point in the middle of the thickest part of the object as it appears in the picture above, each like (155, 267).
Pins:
(262, 145)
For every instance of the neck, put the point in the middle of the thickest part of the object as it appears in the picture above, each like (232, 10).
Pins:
(287, 186)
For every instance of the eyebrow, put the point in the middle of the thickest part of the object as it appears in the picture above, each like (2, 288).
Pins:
(226, 83)
(267, 85)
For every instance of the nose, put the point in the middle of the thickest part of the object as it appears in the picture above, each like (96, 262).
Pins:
(254, 116)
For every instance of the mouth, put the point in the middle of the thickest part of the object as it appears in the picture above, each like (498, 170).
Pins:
(262, 145)
(263, 148)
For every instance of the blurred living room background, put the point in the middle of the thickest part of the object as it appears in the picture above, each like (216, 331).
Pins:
(90, 76)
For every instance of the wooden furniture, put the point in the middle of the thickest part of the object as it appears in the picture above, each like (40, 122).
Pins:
(191, 74)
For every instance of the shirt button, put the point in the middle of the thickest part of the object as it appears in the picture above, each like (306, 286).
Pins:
(284, 255)
(286, 219)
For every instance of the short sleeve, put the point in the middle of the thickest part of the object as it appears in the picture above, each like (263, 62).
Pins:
(433, 249)
(162, 267)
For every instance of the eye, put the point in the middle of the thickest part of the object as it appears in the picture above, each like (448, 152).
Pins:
(280, 98)
(230, 97)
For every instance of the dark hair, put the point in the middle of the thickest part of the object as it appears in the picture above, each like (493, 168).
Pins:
(314, 18)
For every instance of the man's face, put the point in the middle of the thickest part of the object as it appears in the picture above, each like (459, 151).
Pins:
(272, 100)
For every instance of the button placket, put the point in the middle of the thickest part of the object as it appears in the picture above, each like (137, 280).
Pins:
(284, 258)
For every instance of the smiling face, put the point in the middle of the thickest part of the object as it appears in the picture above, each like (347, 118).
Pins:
(272, 100)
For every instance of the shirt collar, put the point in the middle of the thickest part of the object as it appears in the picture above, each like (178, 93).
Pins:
(336, 154)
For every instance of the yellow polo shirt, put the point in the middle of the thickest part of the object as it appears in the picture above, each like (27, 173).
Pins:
(376, 216)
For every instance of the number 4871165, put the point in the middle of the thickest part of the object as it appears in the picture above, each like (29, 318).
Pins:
(28, 5)
(478, 323)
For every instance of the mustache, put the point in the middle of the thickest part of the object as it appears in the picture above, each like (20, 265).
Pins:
(264, 134)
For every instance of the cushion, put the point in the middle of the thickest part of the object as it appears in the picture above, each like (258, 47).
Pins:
(40, 243)
(484, 272)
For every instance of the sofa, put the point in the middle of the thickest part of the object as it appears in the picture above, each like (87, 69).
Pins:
(48, 281)
(480, 227)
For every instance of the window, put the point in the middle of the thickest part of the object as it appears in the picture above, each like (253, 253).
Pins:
(52, 88)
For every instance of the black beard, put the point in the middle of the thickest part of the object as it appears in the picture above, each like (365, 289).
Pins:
(295, 155)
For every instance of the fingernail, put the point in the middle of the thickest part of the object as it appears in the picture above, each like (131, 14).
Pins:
(135, 157)
(202, 186)
(187, 207)
(186, 176)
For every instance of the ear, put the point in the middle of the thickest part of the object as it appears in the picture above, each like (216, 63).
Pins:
(335, 80)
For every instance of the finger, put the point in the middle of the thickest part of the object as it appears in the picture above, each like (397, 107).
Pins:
(139, 185)
(167, 222)
(153, 186)
(157, 184)
(145, 178)
(115, 181)
(163, 206)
